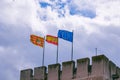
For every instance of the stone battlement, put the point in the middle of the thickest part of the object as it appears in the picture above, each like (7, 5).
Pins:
(101, 69)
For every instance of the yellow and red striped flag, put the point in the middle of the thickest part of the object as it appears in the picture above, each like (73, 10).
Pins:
(52, 39)
(39, 41)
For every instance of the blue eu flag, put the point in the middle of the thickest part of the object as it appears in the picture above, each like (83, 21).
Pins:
(66, 35)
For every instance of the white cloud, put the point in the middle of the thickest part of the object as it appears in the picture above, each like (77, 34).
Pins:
(28, 12)
(1, 49)
(106, 15)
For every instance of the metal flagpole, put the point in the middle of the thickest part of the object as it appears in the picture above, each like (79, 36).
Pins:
(57, 52)
(96, 51)
(72, 47)
(43, 52)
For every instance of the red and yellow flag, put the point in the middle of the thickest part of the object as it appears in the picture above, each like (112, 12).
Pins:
(52, 39)
(39, 41)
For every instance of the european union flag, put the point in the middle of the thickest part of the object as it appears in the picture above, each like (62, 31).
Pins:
(66, 35)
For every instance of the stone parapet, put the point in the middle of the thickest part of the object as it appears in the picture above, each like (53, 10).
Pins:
(100, 69)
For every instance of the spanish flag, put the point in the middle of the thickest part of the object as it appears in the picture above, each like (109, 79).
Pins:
(39, 41)
(52, 39)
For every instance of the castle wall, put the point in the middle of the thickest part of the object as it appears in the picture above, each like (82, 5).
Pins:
(101, 69)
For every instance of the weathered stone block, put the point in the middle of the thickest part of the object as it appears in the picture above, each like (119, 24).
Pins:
(26, 74)
(54, 72)
(40, 73)
(67, 70)
(100, 66)
(82, 67)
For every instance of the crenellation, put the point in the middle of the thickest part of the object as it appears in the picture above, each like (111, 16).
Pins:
(26, 74)
(82, 67)
(100, 64)
(40, 73)
(54, 72)
(100, 69)
(68, 70)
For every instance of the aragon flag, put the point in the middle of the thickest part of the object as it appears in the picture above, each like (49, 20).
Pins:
(52, 39)
(39, 41)
(66, 35)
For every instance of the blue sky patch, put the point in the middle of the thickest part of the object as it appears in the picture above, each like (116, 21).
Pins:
(73, 9)
(84, 12)
(61, 5)
(88, 13)
(44, 4)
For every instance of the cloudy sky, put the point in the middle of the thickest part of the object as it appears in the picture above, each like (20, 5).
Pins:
(96, 24)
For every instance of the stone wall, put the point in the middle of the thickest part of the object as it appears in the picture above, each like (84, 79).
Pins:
(101, 69)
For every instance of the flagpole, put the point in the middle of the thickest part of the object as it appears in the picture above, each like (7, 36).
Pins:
(72, 47)
(57, 52)
(43, 52)
(96, 51)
